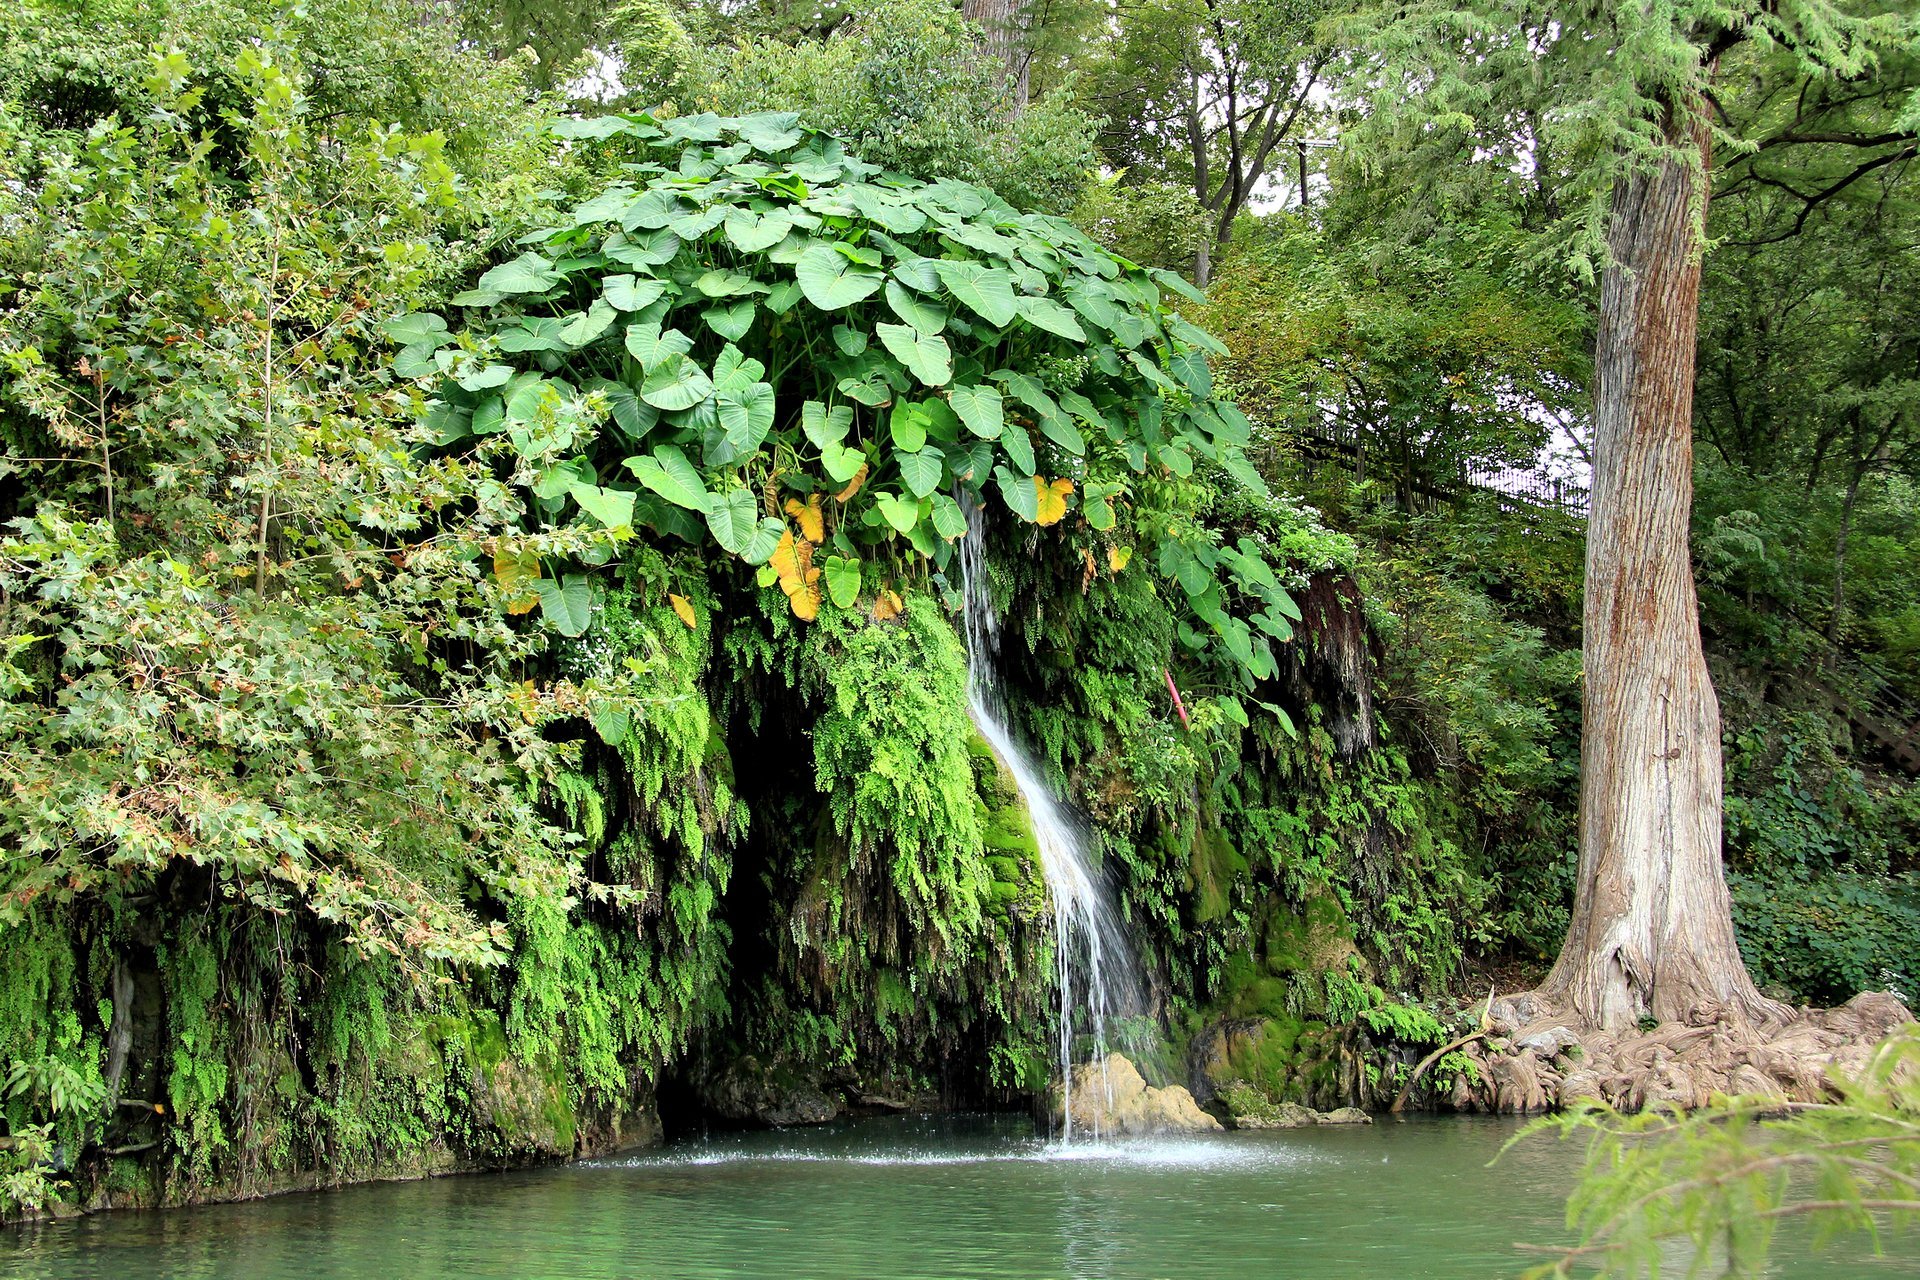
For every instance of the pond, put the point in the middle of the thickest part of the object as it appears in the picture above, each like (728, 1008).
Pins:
(905, 1198)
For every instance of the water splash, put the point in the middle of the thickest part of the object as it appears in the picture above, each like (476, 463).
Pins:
(1098, 975)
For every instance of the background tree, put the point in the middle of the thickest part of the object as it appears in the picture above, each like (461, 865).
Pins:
(1206, 93)
(1620, 101)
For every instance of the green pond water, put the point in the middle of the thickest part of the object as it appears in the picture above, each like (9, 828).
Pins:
(905, 1198)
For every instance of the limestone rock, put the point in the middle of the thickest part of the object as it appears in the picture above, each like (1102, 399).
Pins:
(1346, 1115)
(1546, 1041)
(1113, 1099)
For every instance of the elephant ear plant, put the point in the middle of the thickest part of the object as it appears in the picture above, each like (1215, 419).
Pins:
(757, 342)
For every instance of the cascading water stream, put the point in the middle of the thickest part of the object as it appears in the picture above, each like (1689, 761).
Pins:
(1096, 968)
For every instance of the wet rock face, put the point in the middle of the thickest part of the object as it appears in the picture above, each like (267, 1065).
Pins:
(1112, 1099)
(747, 1092)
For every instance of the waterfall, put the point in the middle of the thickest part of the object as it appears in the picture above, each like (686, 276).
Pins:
(1096, 967)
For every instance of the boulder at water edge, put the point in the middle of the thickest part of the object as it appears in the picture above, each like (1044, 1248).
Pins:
(1112, 1099)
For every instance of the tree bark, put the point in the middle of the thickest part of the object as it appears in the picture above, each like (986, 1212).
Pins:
(1652, 932)
(1003, 41)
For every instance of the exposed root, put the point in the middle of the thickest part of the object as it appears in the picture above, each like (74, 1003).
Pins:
(1531, 1059)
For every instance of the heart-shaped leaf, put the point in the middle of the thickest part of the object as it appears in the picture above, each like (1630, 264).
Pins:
(746, 415)
(733, 518)
(908, 425)
(676, 383)
(841, 462)
(632, 293)
(567, 603)
(980, 408)
(922, 470)
(928, 359)
(587, 325)
(901, 513)
(924, 314)
(843, 581)
(1019, 449)
(652, 347)
(1050, 500)
(1044, 313)
(611, 507)
(1018, 491)
(825, 426)
(667, 472)
(529, 273)
(948, 520)
(753, 233)
(831, 281)
(985, 291)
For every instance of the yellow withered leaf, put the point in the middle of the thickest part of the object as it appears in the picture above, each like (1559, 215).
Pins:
(805, 602)
(1053, 500)
(517, 572)
(853, 485)
(788, 563)
(888, 606)
(793, 561)
(812, 527)
(683, 607)
(1117, 558)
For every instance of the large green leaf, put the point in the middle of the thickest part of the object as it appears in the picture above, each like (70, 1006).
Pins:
(843, 580)
(632, 293)
(824, 426)
(948, 520)
(1019, 449)
(771, 132)
(652, 347)
(567, 603)
(1018, 491)
(529, 273)
(611, 507)
(831, 281)
(928, 359)
(921, 470)
(754, 232)
(841, 462)
(908, 425)
(587, 325)
(634, 416)
(924, 314)
(746, 415)
(985, 291)
(486, 377)
(667, 472)
(1060, 429)
(1047, 314)
(733, 518)
(980, 408)
(901, 513)
(731, 320)
(676, 383)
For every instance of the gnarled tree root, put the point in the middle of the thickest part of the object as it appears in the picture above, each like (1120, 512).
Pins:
(1531, 1059)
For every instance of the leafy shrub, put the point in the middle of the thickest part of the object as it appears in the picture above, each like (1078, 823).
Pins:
(1829, 937)
(756, 342)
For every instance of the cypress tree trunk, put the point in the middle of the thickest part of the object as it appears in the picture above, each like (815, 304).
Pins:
(1652, 928)
(1003, 41)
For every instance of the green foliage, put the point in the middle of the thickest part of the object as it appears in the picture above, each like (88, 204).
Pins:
(1726, 1176)
(1828, 937)
(751, 321)
(232, 577)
